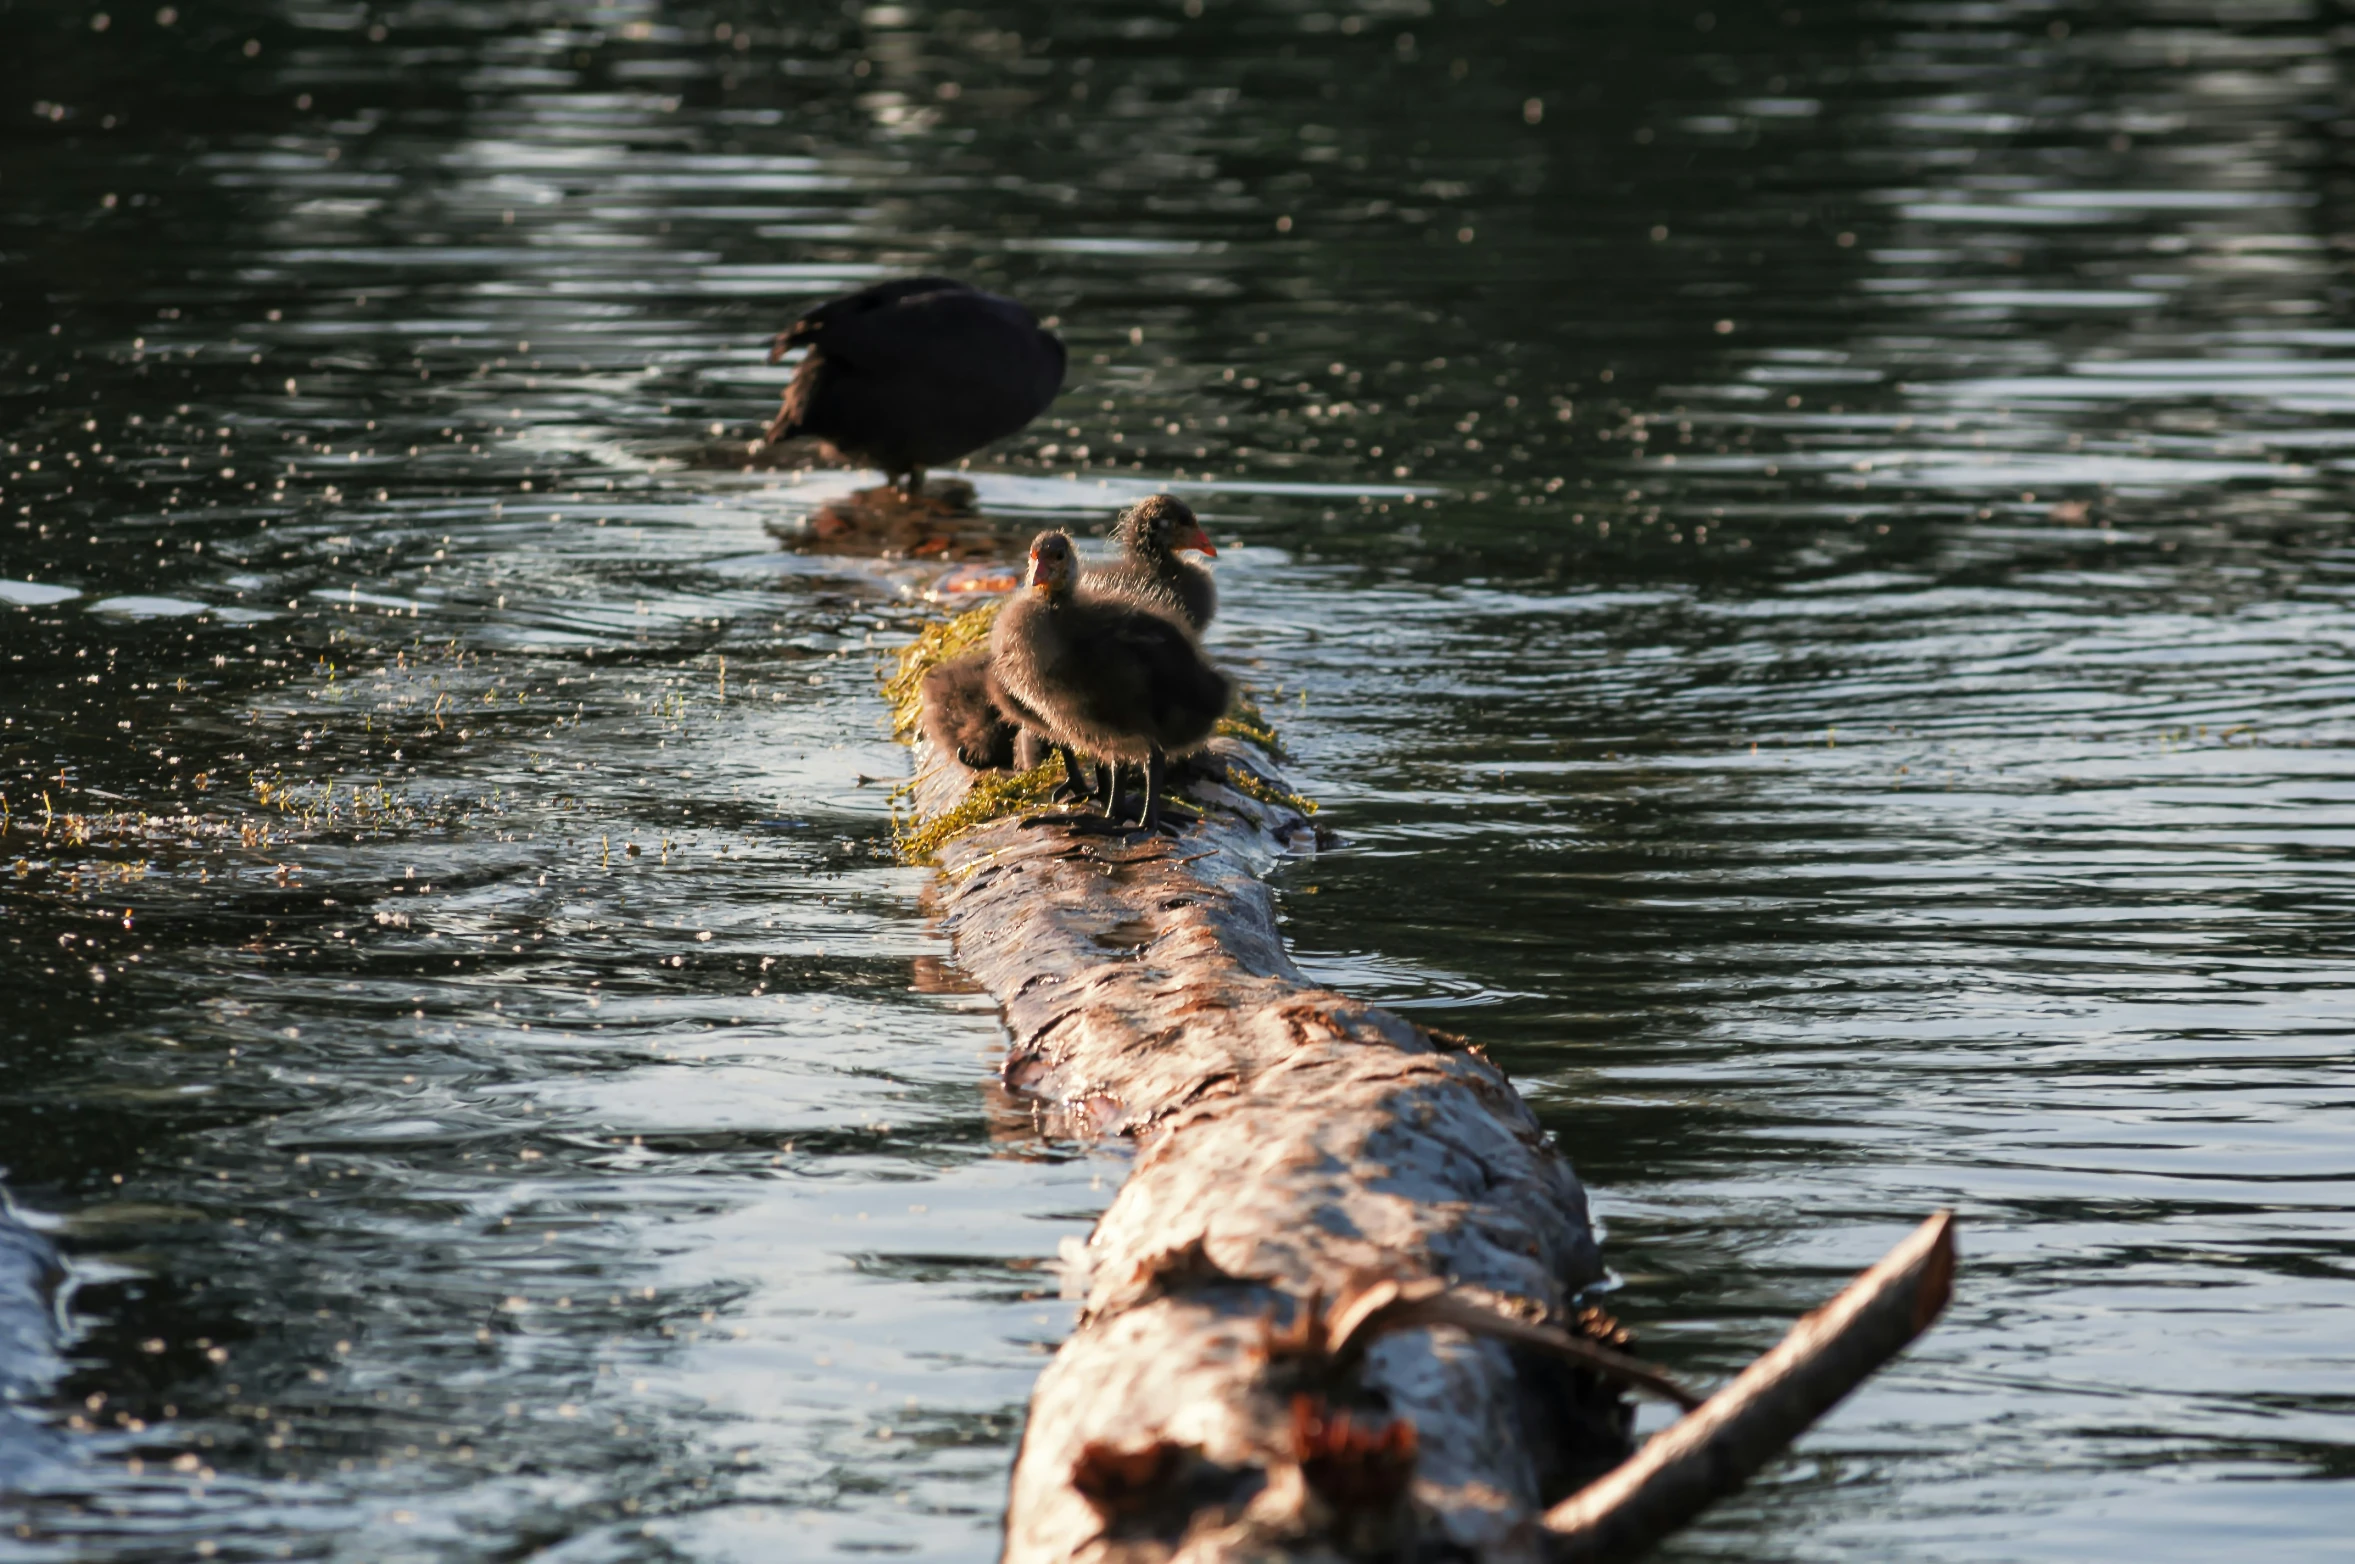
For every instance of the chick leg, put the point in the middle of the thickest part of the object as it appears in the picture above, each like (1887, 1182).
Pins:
(1075, 787)
(1156, 764)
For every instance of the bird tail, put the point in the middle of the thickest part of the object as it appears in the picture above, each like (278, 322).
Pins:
(791, 337)
(795, 404)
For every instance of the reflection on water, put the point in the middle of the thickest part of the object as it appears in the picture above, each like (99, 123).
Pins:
(1805, 550)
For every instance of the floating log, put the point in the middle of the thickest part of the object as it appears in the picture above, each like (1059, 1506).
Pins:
(1334, 1311)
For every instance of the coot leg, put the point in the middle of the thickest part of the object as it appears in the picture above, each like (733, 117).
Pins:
(911, 483)
(1110, 798)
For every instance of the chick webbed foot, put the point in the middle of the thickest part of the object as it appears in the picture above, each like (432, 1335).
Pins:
(1078, 786)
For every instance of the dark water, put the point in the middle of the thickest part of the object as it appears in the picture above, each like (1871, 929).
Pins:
(1806, 550)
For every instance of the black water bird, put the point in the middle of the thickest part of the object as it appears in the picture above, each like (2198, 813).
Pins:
(1150, 533)
(1102, 675)
(914, 374)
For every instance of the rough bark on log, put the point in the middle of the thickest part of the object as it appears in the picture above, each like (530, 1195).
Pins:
(1295, 1146)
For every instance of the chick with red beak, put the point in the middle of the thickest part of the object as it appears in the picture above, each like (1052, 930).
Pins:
(969, 714)
(1101, 673)
(1150, 533)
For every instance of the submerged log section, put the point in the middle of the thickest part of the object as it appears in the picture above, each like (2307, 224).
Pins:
(1332, 1312)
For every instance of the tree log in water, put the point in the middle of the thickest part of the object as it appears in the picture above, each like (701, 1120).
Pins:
(1332, 1313)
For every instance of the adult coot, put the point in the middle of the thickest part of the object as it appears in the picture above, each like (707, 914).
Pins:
(1103, 675)
(916, 373)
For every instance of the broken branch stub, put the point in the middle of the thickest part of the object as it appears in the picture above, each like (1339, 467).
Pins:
(1711, 1452)
(1392, 1305)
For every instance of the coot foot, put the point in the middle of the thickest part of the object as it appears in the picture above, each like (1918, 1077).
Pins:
(1166, 819)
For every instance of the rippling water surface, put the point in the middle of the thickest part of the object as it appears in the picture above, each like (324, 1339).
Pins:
(1805, 551)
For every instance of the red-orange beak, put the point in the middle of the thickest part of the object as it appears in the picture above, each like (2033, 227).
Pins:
(1198, 539)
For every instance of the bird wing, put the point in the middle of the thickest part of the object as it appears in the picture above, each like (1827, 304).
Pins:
(844, 327)
(1173, 676)
(842, 334)
(1189, 691)
(801, 395)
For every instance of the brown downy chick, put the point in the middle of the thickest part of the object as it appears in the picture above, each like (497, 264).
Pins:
(1150, 533)
(961, 719)
(965, 713)
(1103, 676)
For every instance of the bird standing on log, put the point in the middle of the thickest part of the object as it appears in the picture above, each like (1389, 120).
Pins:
(1102, 675)
(967, 715)
(914, 374)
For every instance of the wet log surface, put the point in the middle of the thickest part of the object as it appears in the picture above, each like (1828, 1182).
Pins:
(1295, 1148)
